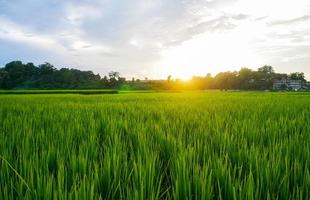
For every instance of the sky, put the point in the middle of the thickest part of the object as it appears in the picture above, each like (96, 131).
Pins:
(157, 38)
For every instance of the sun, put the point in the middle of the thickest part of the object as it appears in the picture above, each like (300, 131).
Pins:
(210, 53)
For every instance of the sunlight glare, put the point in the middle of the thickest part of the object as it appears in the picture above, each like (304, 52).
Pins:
(211, 53)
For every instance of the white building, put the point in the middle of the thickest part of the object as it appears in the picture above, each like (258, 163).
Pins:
(289, 84)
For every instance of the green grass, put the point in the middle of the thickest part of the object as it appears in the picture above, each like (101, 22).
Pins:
(155, 146)
(86, 92)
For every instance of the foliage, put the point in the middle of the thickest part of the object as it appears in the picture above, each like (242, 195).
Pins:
(224, 145)
(86, 92)
(16, 75)
(297, 76)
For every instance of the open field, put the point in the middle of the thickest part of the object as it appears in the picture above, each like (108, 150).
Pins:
(155, 146)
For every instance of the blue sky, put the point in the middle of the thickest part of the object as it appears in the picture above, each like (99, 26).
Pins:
(155, 38)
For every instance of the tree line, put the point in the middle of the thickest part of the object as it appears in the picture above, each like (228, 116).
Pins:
(17, 75)
(244, 79)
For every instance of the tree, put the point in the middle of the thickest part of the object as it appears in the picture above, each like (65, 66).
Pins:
(209, 75)
(115, 79)
(46, 69)
(121, 80)
(265, 77)
(226, 80)
(278, 76)
(246, 78)
(208, 82)
(16, 71)
(169, 78)
(3, 79)
(16, 75)
(245, 73)
(198, 82)
(28, 76)
(114, 75)
(297, 76)
(267, 69)
(46, 78)
(105, 80)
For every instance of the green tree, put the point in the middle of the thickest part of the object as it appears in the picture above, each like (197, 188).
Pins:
(265, 77)
(16, 74)
(245, 78)
(297, 76)
(3, 79)
(226, 80)
(267, 69)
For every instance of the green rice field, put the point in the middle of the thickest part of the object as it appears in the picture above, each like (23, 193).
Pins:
(185, 145)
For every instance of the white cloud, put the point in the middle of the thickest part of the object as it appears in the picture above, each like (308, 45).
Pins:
(76, 14)
(11, 31)
(165, 36)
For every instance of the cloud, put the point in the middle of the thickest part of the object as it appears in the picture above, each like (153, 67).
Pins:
(12, 31)
(291, 21)
(130, 35)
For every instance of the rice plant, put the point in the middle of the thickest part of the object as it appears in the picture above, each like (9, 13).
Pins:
(193, 145)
